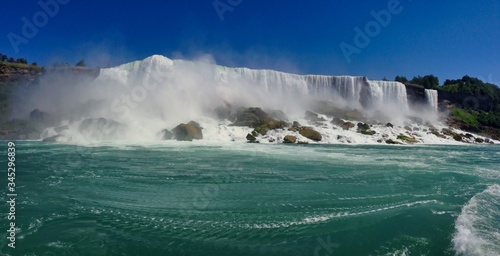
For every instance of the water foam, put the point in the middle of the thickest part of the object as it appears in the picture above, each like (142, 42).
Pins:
(477, 229)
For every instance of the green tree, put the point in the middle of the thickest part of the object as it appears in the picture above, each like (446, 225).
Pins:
(81, 63)
(428, 81)
(3, 57)
(11, 60)
(22, 61)
(401, 79)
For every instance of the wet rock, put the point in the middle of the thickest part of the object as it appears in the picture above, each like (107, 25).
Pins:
(364, 128)
(188, 132)
(252, 117)
(166, 134)
(389, 125)
(407, 138)
(347, 125)
(310, 134)
(390, 141)
(251, 138)
(289, 139)
(313, 117)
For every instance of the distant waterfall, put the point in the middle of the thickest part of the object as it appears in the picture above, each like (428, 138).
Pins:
(353, 89)
(432, 98)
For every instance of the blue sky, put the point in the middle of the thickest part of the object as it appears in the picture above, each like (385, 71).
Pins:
(446, 38)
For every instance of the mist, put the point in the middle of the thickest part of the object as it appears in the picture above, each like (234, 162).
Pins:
(159, 93)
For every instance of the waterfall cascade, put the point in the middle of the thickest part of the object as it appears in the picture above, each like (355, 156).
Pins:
(432, 98)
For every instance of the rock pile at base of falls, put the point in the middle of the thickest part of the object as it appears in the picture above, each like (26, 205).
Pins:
(184, 132)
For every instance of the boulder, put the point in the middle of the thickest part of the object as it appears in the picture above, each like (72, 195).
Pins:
(390, 141)
(251, 138)
(310, 134)
(252, 117)
(313, 117)
(272, 125)
(223, 112)
(479, 140)
(389, 125)
(457, 137)
(188, 132)
(347, 125)
(37, 115)
(407, 138)
(364, 128)
(337, 121)
(166, 134)
(289, 139)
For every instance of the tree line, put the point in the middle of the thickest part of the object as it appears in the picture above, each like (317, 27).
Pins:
(7, 59)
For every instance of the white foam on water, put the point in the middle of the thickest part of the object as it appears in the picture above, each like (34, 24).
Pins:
(158, 93)
(477, 228)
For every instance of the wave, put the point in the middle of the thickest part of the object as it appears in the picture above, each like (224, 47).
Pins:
(477, 228)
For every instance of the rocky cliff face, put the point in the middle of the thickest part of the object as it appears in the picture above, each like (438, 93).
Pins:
(469, 101)
(14, 76)
(416, 93)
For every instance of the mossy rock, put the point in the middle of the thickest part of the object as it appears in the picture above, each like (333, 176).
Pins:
(188, 132)
(407, 138)
(447, 131)
(289, 139)
(310, 134)
(435, 132)
(457, 137)
(302, 142)
(368, 132)
(273, 125)
(364, 128)
(469, 136)
(393, 142)
(479, 140)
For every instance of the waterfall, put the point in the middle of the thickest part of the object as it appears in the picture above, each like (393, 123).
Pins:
(432, 98)
(349, 88)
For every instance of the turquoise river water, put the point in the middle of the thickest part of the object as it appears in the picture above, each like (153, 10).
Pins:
(244, 199)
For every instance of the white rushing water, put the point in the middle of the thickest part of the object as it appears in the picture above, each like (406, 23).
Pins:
(477, 228)
(159, 93)
(432, 98)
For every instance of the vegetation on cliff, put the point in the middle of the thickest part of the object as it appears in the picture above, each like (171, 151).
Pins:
(473, 104)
